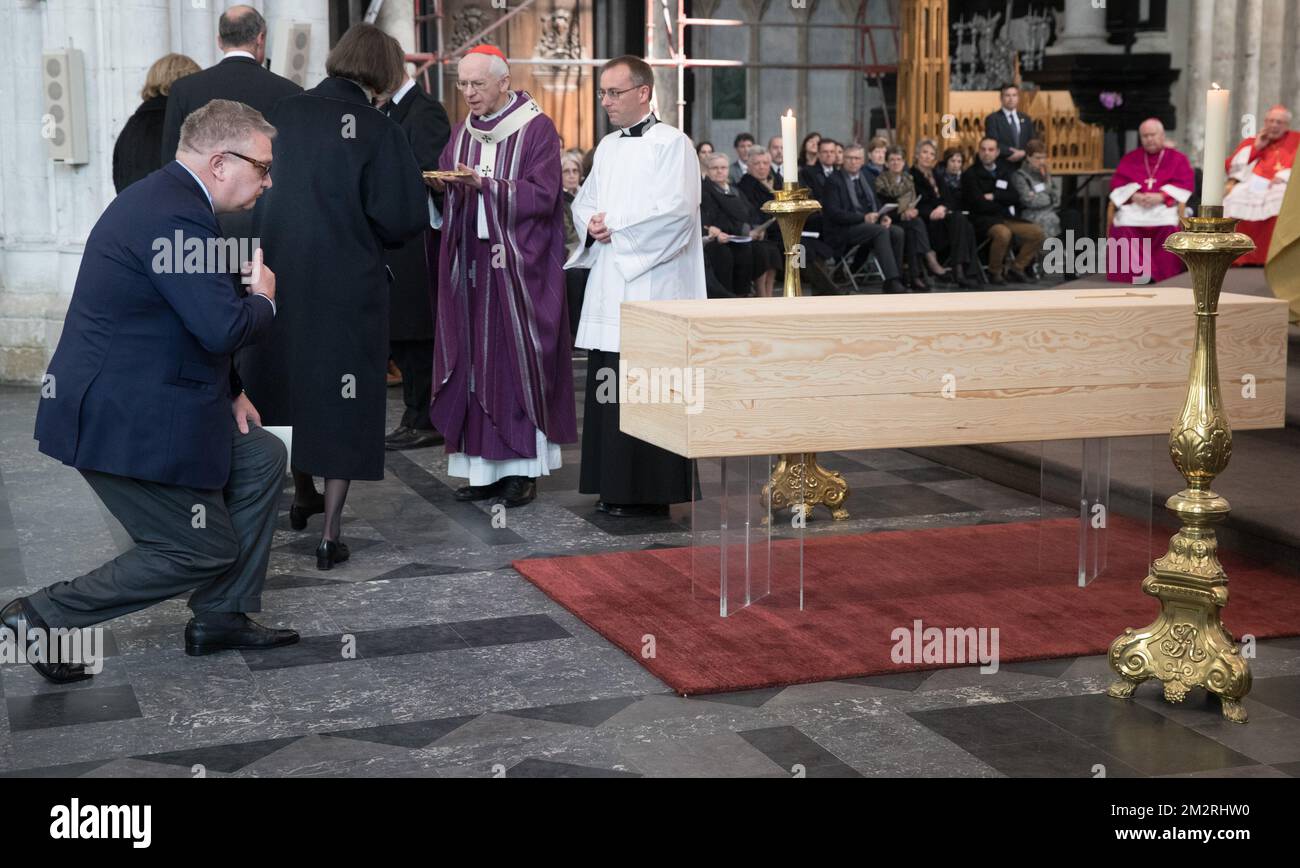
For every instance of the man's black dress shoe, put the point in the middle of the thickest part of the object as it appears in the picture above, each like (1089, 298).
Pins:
(19, 618)
(331, 552)
(894, 285)
(397, 435)
(996, 279)
(1015, 275)
(207, 634)
(517, 491)
(416, 438)
(479, 492)
(298, 515)
(634, 510)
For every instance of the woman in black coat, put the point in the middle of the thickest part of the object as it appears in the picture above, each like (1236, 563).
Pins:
(939, 205)
(137, 151)
(723, 207)
(345, 186)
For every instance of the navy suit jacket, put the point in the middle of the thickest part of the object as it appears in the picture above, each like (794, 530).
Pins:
(838, 213)
(997, 126)
(139, 385)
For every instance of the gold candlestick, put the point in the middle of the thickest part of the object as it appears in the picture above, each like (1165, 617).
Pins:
(798, 478)
(1187, 646)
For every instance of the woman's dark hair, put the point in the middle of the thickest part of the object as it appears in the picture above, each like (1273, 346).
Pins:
(1034, 147)
(370, 57)
(803, 146)
(949, 153)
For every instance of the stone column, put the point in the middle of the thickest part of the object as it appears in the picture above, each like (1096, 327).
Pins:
(1272, 55)
(1223, 67)
(1248, 59)
(1199, 60)
(196, 27)
(397, 18)
(1084, 31)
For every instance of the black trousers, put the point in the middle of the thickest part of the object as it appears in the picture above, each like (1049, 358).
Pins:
(415, 358)
(885, 242)
(616, 466)
(575, 287)
(221, 557)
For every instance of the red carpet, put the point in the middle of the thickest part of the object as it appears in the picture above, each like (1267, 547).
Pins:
(860, 588)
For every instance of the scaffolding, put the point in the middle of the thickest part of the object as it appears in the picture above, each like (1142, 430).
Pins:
(872, 71)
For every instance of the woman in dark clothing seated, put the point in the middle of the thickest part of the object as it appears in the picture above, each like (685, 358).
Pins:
(894, 185)
(139, 145)
(724, 208)
(939, 204)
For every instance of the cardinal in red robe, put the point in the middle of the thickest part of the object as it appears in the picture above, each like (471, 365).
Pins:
(1258, 172)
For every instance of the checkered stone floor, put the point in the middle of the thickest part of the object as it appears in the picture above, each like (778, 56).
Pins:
(464, 669)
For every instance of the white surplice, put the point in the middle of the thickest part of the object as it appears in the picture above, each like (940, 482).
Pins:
(648, 186)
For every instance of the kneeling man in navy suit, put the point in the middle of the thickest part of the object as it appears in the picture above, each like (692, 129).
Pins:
(141, 398)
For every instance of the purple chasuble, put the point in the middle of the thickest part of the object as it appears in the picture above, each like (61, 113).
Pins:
(502, 367)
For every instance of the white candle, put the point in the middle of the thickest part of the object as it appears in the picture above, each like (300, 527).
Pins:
(1216, 145)
(790, 144)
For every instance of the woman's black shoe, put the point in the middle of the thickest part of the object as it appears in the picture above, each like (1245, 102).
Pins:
(331, 552)
(298, 515)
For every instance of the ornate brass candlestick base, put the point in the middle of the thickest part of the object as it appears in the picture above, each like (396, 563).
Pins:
(1188, 646)
(798, 479)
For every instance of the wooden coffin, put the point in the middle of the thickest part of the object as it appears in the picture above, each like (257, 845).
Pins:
(765, 376)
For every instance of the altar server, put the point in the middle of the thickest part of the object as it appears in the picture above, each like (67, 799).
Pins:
(1150, 185)
(638, 223)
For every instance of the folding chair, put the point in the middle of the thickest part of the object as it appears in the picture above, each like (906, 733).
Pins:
(870, 268)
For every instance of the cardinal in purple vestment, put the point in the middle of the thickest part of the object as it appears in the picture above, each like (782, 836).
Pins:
(502, 367)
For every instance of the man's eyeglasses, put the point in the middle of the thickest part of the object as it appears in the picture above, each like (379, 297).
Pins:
(476, 86)
(614, 94)
(265, 167)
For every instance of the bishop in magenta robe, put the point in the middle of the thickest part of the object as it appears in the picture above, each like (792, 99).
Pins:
(1149, 188)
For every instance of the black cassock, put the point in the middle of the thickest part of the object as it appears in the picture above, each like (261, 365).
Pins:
(415, 264)
(344, 185)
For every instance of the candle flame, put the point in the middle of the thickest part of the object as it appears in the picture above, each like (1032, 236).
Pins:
(1215, 85)
(789, 113)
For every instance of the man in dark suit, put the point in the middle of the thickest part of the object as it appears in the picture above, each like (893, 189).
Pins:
(987, 193)
(814, 177)
(414, 266)
(140, 399)
(239, 76)
(851, 215)
(1010, 129)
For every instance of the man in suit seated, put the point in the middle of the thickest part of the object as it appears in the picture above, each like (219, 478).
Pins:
(988, 194)
(140, 398)
(814, 177)
(852, 217)
(1011, 129)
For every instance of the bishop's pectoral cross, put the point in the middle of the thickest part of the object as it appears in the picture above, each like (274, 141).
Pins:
(1151, 183)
